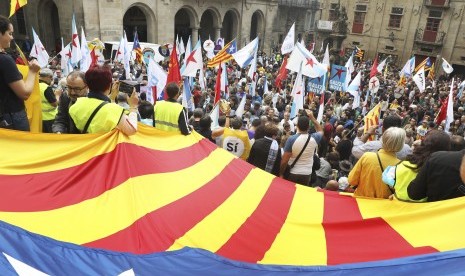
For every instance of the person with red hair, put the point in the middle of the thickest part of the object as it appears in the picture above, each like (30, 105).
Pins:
(95, 113)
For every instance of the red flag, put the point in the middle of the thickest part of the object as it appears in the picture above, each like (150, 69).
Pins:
(282, 75)
(218, 85)
(94, 57)
(374, 69)
(174, 75)
(442, 112)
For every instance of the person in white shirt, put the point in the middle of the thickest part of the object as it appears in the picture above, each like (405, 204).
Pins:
(287, 118)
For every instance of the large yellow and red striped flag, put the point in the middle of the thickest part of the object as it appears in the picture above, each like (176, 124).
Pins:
(16, 5)
(158, 191)
(224, 54)
(372, 118)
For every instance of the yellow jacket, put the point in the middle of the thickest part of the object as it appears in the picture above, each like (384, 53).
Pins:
(367, 174)
(237, 142)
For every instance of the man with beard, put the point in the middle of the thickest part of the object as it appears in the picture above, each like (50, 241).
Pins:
(76, 87)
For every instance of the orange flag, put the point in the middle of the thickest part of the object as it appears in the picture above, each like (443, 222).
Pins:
(16, 5)
(174, 75)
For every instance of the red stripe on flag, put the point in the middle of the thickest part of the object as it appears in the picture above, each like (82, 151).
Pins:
(55, 189)
(172, 221)
(255, 237)
(351, 239)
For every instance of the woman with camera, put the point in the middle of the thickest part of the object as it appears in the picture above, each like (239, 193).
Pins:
(13, 90)
(95, 113)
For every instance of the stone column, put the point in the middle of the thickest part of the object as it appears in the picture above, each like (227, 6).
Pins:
(195, 35)
(217, 33)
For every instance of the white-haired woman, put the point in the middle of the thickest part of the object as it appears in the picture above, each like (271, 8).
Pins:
(366, 176)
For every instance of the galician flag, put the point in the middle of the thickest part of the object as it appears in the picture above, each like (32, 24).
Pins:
(302, 59)
(246, 55)
(38, 51)
(85, 52)
(289, 41)
(298, 95)
(76, 54)
(194, 62)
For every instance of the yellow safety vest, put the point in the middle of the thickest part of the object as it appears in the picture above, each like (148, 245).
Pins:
(106, 119)
(166, 116)
(236, 142)
(405, 173)
(48, 111)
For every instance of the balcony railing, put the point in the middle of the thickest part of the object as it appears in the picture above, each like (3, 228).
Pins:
(429, 37)
(437, 3)
(306, 4)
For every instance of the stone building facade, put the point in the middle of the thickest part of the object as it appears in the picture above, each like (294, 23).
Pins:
(433, 28)
(159, 21)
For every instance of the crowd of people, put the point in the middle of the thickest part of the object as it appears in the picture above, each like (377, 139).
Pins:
(408, 156)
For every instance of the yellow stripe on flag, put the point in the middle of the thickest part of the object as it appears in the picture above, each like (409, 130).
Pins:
(232, 213)
(16, 5)
(51, 152)
(301, 240)
(76, 223)
(421, 224)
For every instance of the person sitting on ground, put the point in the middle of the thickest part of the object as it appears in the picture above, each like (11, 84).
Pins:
(365, 177)
(95, 113)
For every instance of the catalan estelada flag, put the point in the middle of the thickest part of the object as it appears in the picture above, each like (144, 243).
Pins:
(372, 118)
(136, 48)
(431, 72)
(425, 63)
(16, 5)
(167, 204)
(224, 54)
(359, 52)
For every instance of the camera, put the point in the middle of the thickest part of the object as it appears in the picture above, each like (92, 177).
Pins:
(128, 86)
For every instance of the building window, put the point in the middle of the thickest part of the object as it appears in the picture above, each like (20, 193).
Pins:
(332, 12)
(433, 21)
(396, 17)
(359, 18)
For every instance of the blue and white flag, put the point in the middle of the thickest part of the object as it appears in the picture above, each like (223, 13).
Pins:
(408, 68)
(85, 53)
(310, 65)
(246, 55)
(156, 77)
